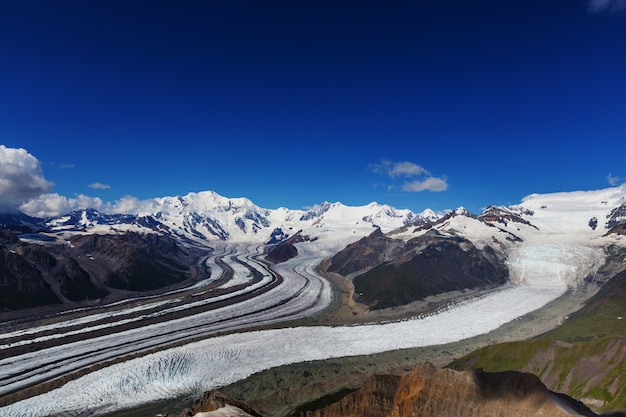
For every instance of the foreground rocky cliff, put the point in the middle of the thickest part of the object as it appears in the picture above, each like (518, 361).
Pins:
(215, 403)
(427, 391)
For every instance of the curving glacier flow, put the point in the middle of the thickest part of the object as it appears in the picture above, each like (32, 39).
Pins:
(223, 360)
(217, 361)
(554, 250)
(257, 298)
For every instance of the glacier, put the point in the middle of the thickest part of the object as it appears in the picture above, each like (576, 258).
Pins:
(557, 253)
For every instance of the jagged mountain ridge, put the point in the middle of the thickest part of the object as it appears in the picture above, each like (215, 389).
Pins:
(206, 216)
(553, 239)
(593, 220)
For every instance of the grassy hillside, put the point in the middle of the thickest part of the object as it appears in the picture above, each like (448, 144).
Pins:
(584, 358)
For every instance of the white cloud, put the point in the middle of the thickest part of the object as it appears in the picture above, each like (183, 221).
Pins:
(99, 186)
(50, 205)
(398, 169)
(613, 6)
(613, 180)
(409, 169)
(429, 184)
(21, 178)
(131, 205)
(67, 166)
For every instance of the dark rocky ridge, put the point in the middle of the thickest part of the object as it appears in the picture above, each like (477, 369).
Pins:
(286, 249)
(21, 283)
(398, 273)
(366, 253)
(34, 275)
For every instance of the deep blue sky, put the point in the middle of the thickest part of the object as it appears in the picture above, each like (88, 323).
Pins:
(291, 103)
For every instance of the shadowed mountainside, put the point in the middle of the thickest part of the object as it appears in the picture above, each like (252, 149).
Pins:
(88, 268)
(398, 273)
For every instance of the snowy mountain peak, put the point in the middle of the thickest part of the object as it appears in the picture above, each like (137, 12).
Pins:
(429, 215)
(461, 211)
(207, 216)
(616, 216)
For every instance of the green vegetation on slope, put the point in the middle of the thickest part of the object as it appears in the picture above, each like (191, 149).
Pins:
(584, 358)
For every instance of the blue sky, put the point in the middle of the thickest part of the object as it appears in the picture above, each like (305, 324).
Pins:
(416, 104)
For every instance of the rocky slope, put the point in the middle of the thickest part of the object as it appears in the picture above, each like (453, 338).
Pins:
(398, 272)
(286, 249)
(428, 391)
(89, 268)
(215, 403)
(21, 282)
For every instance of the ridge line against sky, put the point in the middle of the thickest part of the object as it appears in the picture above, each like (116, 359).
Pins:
(412, 104)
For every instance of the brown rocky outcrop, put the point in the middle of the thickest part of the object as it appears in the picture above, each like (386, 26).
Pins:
(427, 391)
(214, 400)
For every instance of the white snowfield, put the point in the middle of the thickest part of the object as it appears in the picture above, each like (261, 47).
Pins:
(556, 252)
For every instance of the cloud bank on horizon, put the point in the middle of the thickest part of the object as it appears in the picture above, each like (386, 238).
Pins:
(24, 188)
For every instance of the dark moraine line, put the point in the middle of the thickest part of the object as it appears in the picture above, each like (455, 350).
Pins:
(174, 337)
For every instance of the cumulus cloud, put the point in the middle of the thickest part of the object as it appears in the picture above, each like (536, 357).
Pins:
(429, 184)
(50, 205)
(406, 169)
(131, 205)
(613, 180)
(612, 6)
(99, 186)
(21, 178)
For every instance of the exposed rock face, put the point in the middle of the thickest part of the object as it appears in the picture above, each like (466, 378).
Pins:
(34, 275)
(215, 403)
(133, 261)
(503, 215)
(365, 253)
(616, 217)
(286, 249)
(76, 284)
(426, 265)
(428, 391)
(21, 283)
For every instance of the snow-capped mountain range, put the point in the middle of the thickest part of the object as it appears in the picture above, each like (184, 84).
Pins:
(549, 243)
(205, 217)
